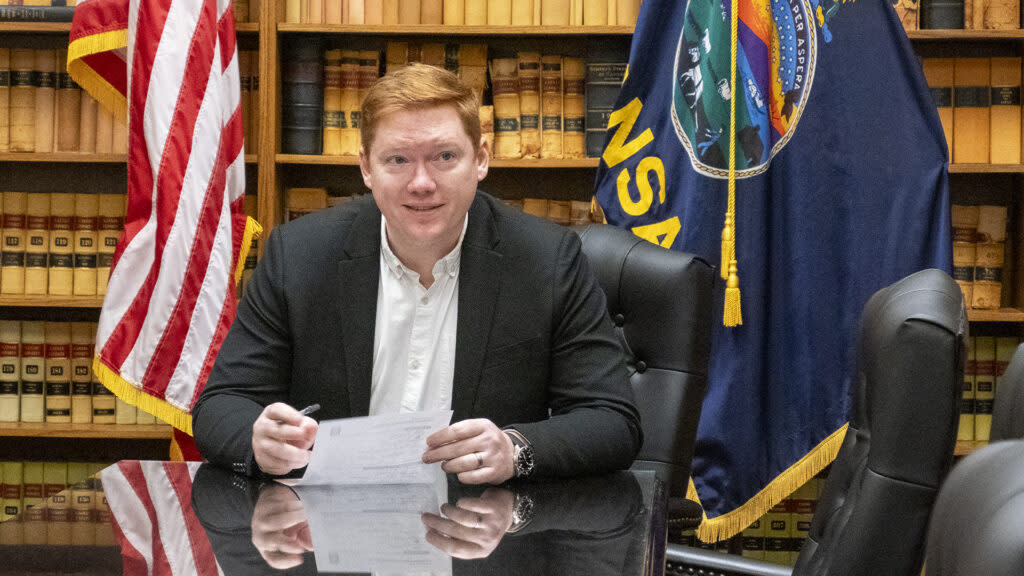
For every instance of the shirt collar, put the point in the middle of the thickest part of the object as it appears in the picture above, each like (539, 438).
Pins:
(449, 264)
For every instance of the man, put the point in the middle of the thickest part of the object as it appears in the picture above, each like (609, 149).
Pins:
(430, 295)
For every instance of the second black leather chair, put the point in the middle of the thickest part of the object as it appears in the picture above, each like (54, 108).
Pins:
(1008, 412)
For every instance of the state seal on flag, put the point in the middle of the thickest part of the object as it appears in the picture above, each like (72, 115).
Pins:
(775, 61)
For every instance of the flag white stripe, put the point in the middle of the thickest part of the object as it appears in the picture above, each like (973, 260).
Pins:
(136, 527)
(170, 520)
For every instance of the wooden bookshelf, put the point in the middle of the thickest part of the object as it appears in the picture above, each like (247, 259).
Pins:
(965, 447)
(448, 31)
(63, 157)
(1000, 315)
(986, 168)
(52, 430)
(28, 27)
(494, 163)
(966, 34)
(247, 27)
(43, 300)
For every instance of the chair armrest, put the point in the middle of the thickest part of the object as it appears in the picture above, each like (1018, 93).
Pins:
(713, 562)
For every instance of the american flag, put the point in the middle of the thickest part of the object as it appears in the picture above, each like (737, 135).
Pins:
(171, 66)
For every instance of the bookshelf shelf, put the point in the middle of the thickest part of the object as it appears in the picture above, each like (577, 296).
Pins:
(42, 300)
(441, 30)
(966, 34)
(986, 168)
(495, 163)
(63, 157)
(52, 430)
(247, 27)
(965, 447)
(27, 27)
(1001, 315)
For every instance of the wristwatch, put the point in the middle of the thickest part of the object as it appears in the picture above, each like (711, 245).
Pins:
(522, 512)
(522, 455)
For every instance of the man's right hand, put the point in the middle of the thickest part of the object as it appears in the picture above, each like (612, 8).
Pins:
(282, 438)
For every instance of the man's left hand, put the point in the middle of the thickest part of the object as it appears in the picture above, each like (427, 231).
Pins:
(474, 526)
(477, 450)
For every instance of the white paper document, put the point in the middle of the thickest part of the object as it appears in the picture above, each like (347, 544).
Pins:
(382, 449)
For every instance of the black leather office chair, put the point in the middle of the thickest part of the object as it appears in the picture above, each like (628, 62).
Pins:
(977, 528)
(661, 302)
(873, 514)
(1008, 412)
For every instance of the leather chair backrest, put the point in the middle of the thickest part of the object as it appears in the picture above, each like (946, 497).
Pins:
(661, 303)
(872, 516)
(977, 528)
(1008, 412)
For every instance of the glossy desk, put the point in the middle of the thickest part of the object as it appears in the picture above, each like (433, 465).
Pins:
(139, 517)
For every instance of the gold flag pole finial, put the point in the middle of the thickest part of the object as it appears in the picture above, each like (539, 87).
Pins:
(732, 315)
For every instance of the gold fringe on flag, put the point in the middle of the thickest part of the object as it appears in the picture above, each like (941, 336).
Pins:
(732, 315)
(90, 80)
(732, 523)
(178, 417)
(252, 230)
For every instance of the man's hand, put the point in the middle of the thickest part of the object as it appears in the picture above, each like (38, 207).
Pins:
(280, 531)
(281, 439)
(477, 450)
(473, 527)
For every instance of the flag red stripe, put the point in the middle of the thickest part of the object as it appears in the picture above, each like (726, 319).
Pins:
(226, 34)
(98, 17)
(203, 558)
(132, 562)
(172, 341)
(132, 471)
(111, 68)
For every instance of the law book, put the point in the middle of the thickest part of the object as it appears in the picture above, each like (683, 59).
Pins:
(803, 504)
(559, 212)
(124, 413)
(315, 11)
(396, 55)
(37, 242)
(536, 206)
(83, 533)
(971, 110)
(85, 241)
(626, 12)
(985, 370)
(965, 430)
(62, 245)
(33, 368)
(58, 507)
(505, 90)
(302, 201)
(143, 417)
(10, 370)
(454, 12)
(389, 12)
(101, 517)
(529, 103)
(245, 62)
(103, 400)
(12, 253)
(753, 540)
(36, 13)
(373, 12)
(22, 101)
(551, 106)
(432, 12)
(119, 136)
(1005, 127)
(302, 95)
(69, 107)
(994, 14)
(354, 12)
(33, 514)
(408, 12)
(104, 130)
(82, 335)
(369, 71)
(986, 292)
(942, 14)
(46, 84)
(777, 534)
(573, 131)
(499, 12)
(254, 102)
(110, 224)
(5, 98)
(472, 67)
(595, 12)
(486, 114)
(350, 79)
(476, 12)
(11, 494)
(965, 222)
(522, 12)
(963, 268)
(87, 124)
(293, 12)
(58, 371)
(938, 72)
(991, 224)
(604, 81)
(334, 112)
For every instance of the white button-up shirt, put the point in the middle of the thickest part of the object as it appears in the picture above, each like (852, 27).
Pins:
(414, 339)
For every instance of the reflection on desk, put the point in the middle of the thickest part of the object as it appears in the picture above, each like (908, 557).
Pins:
(197, 518)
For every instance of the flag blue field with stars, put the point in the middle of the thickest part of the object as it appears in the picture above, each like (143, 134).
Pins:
(841, 189)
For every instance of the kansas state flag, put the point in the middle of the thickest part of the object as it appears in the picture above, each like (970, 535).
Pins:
(841, 189)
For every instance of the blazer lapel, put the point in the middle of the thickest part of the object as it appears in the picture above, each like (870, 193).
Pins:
(479, 286)
(359, 275)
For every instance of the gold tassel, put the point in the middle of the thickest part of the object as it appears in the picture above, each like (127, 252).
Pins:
(733, 315)
(728, 245)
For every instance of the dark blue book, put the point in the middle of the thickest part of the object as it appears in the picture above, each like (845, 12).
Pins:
(302, 97)
(36, 13)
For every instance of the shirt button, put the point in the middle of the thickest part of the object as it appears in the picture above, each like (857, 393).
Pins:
(424, 300)
(415, 364)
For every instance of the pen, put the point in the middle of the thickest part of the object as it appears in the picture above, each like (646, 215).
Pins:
(305, 411)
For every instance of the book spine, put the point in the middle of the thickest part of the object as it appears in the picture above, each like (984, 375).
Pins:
(985, 368)
(10, 370)
(12, 253)
(939, 74)
(373, 12)
(408, 12)
(777, 534)
(604, 80)
(971, 110)
(36, 13)
(963, 268)
(86, 216)
(5, 98)
(32, 371)
(573, 131)
(119, 136)
(46, 84)
(124, 413)
(11, 495)
(334, 113)
(22, 101)
(58, 371)
(1005, 127)
(505, 89)
(302, 92)
(62, 257)
(499, 12)
(350, 80)
(81, 371)
(522, 12)
(988, 275)
(551, 106)
(1005, 347)
(476, 12)
(110, 223)
(529, 103)
(104, 130)
(87, 124)
(37, 242)
(369, 69)
(82, 531)
(292, 11)
(753, 540)
(554, 13)
(965, 431)
(998, 14)
(942, 14)
(595, 12)
(102, 401)
(33, 515)
(315, 12)
(58, 505)
(69, 107)
(431, 12)
(486, 114)
(454, 12)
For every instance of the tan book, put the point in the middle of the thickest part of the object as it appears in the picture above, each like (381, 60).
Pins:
(431, 12)
(10, 370)
(83, 533)
(1005, 128)
(996, 14)
(62, 244)
(573, 135)
(85, 238)
(529, 103)
(778, 531)
(579, 213)
(12, 252)
(350, 75)
(499, 12)
(69, 107)
(576, 13)
(5, 98)
(46, 83)
(33, 513)
(82, 336)
(985, 370)
(373, 12)
(33, 368)
(22, 101)
(473, 67)
(58, 506)
(522, 12)
(536, 206)
(408, 12)
(965, 431)
(58, 371)
(454, 12)
(971, 110)
(101, 517)
(293, 11)
(302, 201)
(87, 124)
(991, 224)
(396, 55)
(103, 400)
(595, 12)
(334, 112)
(963, 268)
(11, 495)
(333, 12)
(369, 69)
(965, 223)
(559, 212)
(355, 13)
(551, 106)
(119, 136)
(626, 12)
(124, 413)
(939, 74)
(316, 12)
(111, 225)
(505, 89)
(486, 114)
(988, 275)
(143, 417)
(753, 540)
(37, 242)
(554, 13)
(104, 130)
(476, 12)
(389, 12)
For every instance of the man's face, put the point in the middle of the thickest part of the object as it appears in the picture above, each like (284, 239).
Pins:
(423, 170)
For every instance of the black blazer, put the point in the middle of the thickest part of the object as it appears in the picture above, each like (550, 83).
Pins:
(535, 348)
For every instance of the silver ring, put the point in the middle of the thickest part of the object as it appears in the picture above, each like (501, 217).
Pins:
(479, 460)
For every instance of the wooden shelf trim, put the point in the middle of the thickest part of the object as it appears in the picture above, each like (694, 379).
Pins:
(966, 34)
(495, 163)
(247, 26)
(965, 447)
(52, 430)
(986, 168)
(449, 30)
(64, 157)
(43, 300)
(1000, 315)
(35, 26)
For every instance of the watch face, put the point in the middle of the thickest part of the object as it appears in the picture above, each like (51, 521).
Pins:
(524, 461)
